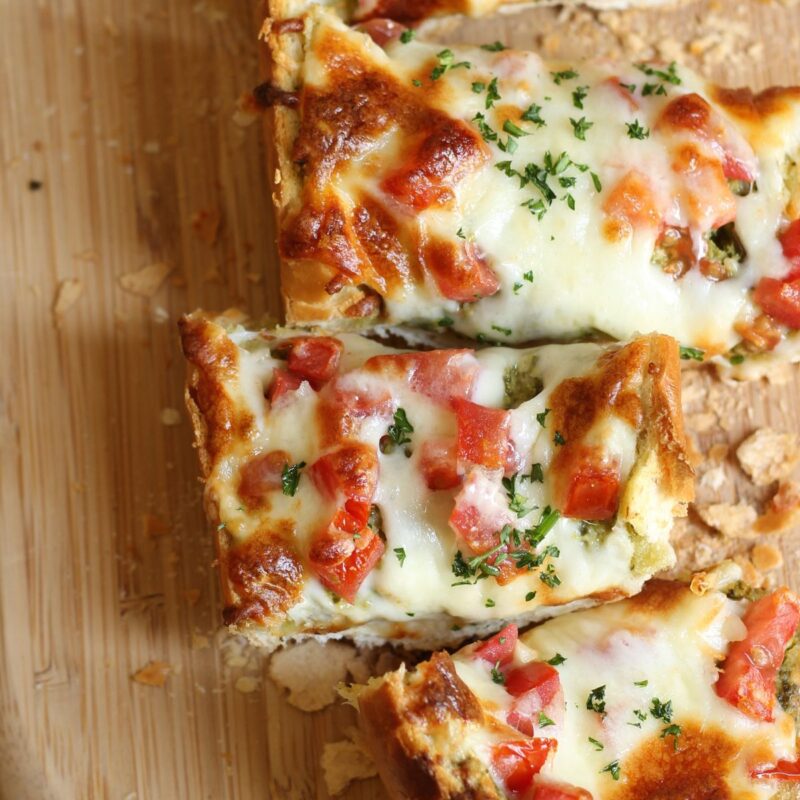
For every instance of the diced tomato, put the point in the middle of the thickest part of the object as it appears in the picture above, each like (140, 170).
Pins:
(314, 358)
(444, 154)
(483, 434)
(352, 517)
(481, 510)
(350, 472)
(261, 475)
(441, 375)
(559, 791)
(283, 382)
(790, 243)
(438, 464)
(517, 762)
(748, 674)
(780, 299)
(592, 492)
(621, 91)
(459, 269)
(782, 771)
(346, 576)
(500, 647)
(382, 31)
(343, 407)
(537, 688)
(736, 170)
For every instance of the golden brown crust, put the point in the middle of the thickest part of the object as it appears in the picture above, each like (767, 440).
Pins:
(412, 722)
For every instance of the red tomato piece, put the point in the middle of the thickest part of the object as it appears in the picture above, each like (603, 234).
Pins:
(350, 472)
(559, 791)
(592, 492)
(483, 434)
(782, 771)
(283, 382)
(441, 375)
(517, 762)
(735, 169)
(780, 299)
(346, 576)
(261, 475)
(500, 647)
(382, 31)
(481, 510)
(633, 202)
(749, 671)
(314, 358)
(438, 464)
(790, 243)
(537, 688)
(459, 270)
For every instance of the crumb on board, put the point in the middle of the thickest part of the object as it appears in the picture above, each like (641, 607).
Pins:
(768, 455)
(67, 294)
(154, 526)
(766, 557)
(346, 761)
(154, 673)
(734, 520)
(205, 224)
(146, 281)
(246, 684)
(170, 417)
(783, 510)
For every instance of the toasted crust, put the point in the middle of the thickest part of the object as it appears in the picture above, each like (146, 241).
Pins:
(413, 722)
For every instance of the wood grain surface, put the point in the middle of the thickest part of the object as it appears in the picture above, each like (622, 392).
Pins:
(122, 163)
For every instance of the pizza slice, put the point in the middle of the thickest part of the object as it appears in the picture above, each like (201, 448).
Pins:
(364, 491)
(669, 695)
(487, 191)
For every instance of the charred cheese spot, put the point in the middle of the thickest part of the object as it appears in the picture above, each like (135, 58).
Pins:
(459, 269)
(445, 695)
(690, 112)
(695, 771)
(659, 597)
(753, 107)
(264, 576)
(630, 204)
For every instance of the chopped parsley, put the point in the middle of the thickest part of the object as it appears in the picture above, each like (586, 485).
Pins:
(531, 114)
(489, 602)
(640, 683)
(290, 477)
(549, 577)
(692, 353)
(460, 233)
(546, 522)
(662, 711)
(596, 701)
(580, 126)
(498, 676)
(636, 131)
(556, 660)
(528, 276)
(596, 181)
(485, 129)
(516, 287)
(494, 47)
(544, 720)
(640, 715)
(446, 322)
(668, 75)
(570, 201)
(613, 768)
(674, 731)
(416, 82)
(407, 35)
(653, 88)
(513, 130)
(478, 86)
(504, 331)
(597, 745)
(446, 62)
(492, 95)
(564, 75)
(541, 417)
(397, 433)
(736, 358)
(516, 501)
(400, 552)
(579, 95)
(529, 596)
(536, 474)
(631, 87)
(559, 439)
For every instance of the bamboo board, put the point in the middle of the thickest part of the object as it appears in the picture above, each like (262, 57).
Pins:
(120, 152)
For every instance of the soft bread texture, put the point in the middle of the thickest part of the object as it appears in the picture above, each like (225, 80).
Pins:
(319, 287)
(268, 589)
(429, 728)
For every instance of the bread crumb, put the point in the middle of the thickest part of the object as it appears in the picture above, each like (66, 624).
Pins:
(154, 673)
(718, 452)
(170, 416)
(67, 294)
(750, 575)
(702, 421)
(713, 479)
(153, 526)
(246, 684)
(730, 520)
(346, 761)
(310, 671)
(205, 225)
(151, 148)
(783, 511)
(199, 642)
(766, 557)
(146, 281)
(768, 455)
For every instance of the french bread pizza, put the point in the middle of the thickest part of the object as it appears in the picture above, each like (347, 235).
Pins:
(487, 191)
(422, 497)
(669, 695)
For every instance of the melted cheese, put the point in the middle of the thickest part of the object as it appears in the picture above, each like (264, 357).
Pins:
(582, 279)
(415, 518)
(675, 649)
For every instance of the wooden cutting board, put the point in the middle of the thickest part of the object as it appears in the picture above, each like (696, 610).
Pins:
(131, 193)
